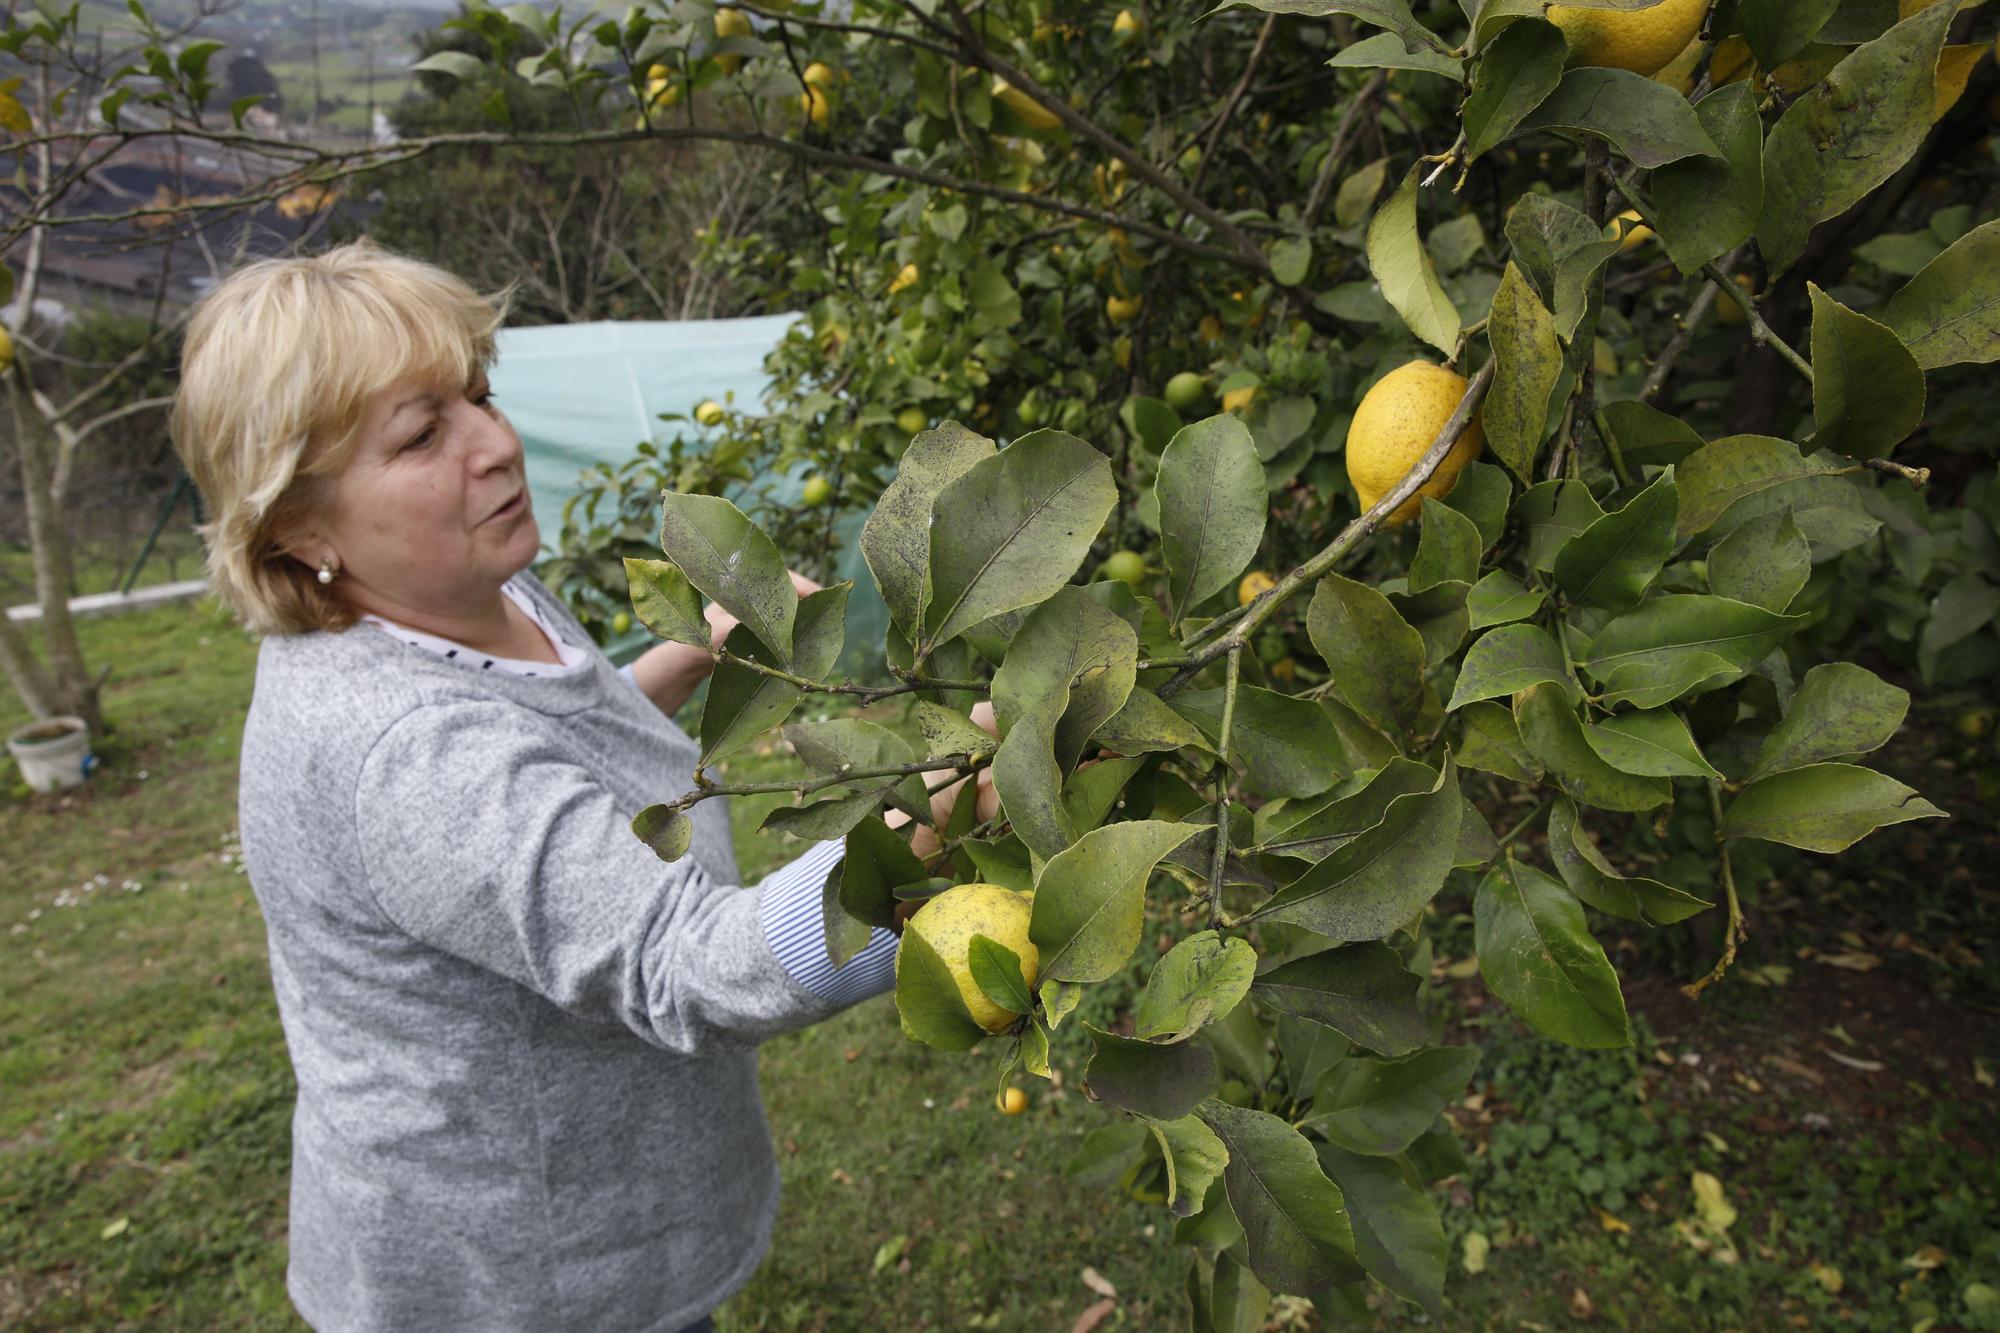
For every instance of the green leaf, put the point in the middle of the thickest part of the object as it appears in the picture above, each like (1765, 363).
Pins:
(1667, 645)
(665, 602)
(1403, 269)
(1212, 508)
(1765, 562)
(1653, 743)
(826, 819)
(1840, 709)
(1195, 1158)
(948, 731)
(1528, 361)
(1614, 560)
(1552, 734)
(1285, 745)
(744, 704)
(731, 560)
(896, 539)
(1962, 607)
(1561, 250)
(1003, 861)
(1868, 392)
(1537, 954)
(1146, 724)
(1012, 529)
(458, 64)
(1554, 512)
(1384, 876)
(1391, 14)
(1499, 599)
(1313, 830)
(1646, 435)
(1309, 1048)
(1291, 259)
(876, 860)
(1648, 122)
(1059, 998)
(1492, 743)
(1397, 1233)
(1293, 1219)
(1069, 669)
(1949, 313)
(1239, 1040)
(1777, 30)
(1592, 878)
(1484, 495)
(1385, 50)
(1849, 133)
(1714, 478)
(1514, 75)
(1448, 549)
(1375, 658)
(996, 970)
(931, 1009)
(1380, 1107)
(1201, 978)
(1706, 207)
(1822, 807)
(1506, 661)
(664, 828)
(1158, 1080)
(1363, 992)
(1090, 898)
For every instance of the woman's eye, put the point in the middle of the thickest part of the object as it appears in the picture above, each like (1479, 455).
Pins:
(421, 440)
(484, 399)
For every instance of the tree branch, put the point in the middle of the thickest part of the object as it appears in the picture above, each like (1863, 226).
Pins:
(1734, 931)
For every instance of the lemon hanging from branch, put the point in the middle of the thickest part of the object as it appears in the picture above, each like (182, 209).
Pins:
(1396, 424)
(1644, 41)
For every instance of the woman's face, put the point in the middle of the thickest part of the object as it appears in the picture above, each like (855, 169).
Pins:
(432, 512)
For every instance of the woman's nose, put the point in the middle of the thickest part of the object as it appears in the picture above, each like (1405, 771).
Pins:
(495, 442)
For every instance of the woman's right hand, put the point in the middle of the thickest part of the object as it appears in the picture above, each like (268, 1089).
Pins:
(720, 622)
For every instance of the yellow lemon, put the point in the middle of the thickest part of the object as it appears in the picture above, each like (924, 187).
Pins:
(947, 924)
(906, 276)
(1126, 26)
(1254, 585)
(1728, 310)
(731, 23)
(1285, 670)
(817, 105)
(6, 351)
(708, 412)
(1679, 72)
(1123, 309)
(1644, 41)
(1637, 236)
(911, 420)
(1121, 352)
(820, 75)
(1395, 426)
(1732, 61)
(1011, 1102)
(1239, 400)
(1025, 108)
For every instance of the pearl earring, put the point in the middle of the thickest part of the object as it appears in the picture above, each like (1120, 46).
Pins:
(326, 572)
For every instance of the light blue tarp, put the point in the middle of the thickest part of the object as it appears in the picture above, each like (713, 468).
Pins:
(586, 394)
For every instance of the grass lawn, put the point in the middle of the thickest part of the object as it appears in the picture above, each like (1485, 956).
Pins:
(145, 1098)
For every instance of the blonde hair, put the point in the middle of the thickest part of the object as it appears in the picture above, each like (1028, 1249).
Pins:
(280, 362)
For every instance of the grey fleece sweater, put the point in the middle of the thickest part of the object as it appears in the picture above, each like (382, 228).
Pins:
(525, 1046)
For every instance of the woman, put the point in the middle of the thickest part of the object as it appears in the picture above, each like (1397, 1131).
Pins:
(525, 1046)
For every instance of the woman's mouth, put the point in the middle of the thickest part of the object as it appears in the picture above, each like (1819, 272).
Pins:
(512, 507)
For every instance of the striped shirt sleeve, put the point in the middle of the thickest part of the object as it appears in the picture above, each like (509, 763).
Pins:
(796, 927)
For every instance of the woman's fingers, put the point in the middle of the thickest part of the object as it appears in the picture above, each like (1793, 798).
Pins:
(802, 583)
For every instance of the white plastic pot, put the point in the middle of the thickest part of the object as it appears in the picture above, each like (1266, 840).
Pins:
(53, 753)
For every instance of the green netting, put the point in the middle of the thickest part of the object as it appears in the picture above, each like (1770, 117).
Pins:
(587, 394)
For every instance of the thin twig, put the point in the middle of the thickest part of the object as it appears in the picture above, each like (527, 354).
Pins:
(1918, 477)
(1235, 96)
(704, 789)
(1220, 856)
(1734, 931)
(1343, 137)
(868, 694)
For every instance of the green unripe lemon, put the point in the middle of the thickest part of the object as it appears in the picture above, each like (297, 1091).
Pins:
(1185, 390)
(1125, 567)
(911, 420)
(817, 491)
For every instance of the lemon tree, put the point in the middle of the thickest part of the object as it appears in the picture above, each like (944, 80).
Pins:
(1485, 554)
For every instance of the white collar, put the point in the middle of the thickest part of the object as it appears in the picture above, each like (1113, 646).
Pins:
(573, 658)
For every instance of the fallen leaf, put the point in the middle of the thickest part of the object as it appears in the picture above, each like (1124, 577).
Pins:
(1828, 1277)
(1793, 1067)
(1612, 1224)
(1477, 1247)
(851, 1054)
(113, 1230)
(1926, 1258)
(1580, 1304)
(1865, 1066)
(1716, 1141)
(889, 1251)
(1982, 1073)
(1709, 1203)
(1092, 1317)
(1464, 968)
(1770, 974)
(1097, 1283)
(1841, 1034)
(840, 1177)
(1856, 961)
